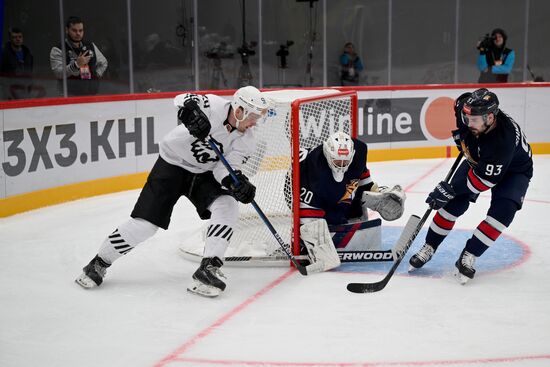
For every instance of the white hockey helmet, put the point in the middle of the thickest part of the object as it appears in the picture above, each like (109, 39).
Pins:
(339, 151)
(251, 100)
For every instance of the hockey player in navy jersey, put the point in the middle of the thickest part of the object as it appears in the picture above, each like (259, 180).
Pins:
(187, 166)
(336, 186)
(498, 159)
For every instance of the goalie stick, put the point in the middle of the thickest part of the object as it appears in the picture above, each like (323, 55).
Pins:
(266, 221)
(275, 260)
(403, 244)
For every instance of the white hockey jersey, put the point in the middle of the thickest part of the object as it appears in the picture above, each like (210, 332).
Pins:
(181, 149)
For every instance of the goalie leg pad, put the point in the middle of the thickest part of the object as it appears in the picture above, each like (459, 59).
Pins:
(318, 242)
(389, 203)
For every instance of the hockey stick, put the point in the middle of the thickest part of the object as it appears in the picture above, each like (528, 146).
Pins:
(345, 257)
(403, 244)
(266, 221)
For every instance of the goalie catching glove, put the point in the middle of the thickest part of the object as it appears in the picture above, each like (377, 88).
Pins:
(194, 119)
(243, 191)
(316, 238)
(389, 203)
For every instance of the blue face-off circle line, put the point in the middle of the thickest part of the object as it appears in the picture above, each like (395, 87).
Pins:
(507, 252)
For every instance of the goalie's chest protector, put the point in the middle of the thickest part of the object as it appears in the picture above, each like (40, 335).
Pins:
(320, 190)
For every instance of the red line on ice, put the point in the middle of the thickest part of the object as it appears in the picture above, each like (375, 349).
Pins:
(204, 333)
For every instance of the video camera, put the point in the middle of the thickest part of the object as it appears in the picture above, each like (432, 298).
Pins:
(219, 51)
(486, 42)
(246, 50)
(283, 53)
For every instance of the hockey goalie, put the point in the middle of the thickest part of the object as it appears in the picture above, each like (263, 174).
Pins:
(336, 188)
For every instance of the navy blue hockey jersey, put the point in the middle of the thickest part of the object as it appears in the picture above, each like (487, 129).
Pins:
(322, 197)
(494, 154)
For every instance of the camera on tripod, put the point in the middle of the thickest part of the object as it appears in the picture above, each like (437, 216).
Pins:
(246, 50)
(282, 53)
(219, 51)
(486, 42)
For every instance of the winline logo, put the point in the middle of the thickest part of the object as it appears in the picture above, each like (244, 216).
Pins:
(406, 119)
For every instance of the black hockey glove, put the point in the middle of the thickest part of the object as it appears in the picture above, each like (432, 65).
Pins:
(194, 119)
(244, 191)
(440, 196)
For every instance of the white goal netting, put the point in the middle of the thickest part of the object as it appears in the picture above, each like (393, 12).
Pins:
(299, 119)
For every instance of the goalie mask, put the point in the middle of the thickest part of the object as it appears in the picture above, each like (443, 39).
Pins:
(252, 101)
(339, 151)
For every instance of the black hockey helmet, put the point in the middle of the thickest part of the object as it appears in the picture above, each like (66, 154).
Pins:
(481, 102)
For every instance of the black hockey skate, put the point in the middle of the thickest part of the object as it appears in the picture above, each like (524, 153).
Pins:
(93, 273)
(207, 280)
(421, 257)
(465, 267)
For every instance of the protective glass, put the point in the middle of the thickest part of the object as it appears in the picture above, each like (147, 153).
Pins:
(258, 117)
(465, 119)
(473, 120)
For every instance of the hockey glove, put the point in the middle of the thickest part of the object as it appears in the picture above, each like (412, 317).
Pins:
(244, 191)
(194, 119)
(389, 203)
(440, 196)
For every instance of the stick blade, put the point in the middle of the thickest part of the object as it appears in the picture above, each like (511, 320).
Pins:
(366, 287)
(402, 245)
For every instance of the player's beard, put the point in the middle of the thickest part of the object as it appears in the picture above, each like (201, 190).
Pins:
(478, 132)
(73, 40)
(475, 132)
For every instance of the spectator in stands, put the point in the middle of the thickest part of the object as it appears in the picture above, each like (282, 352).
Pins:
(495, 60)
(350, 66)
(16, 67)
(84, 63)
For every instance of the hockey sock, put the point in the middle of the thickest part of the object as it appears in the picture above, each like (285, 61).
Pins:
(499, 217)
(444, 220)
(125, 238)
(220, 228)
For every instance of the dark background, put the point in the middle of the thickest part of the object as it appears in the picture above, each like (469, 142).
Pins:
(400, 41)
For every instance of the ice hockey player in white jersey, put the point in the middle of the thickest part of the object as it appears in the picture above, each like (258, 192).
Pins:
(187, 166)
(335, 187)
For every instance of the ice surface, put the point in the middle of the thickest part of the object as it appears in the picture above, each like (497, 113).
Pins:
(143, 316)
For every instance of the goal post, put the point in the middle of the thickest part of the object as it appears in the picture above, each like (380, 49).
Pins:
(299, 119)
(348, 102)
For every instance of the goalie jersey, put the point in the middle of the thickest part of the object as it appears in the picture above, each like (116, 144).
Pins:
(322, 197)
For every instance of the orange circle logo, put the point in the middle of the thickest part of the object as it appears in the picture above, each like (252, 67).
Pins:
(440, 118)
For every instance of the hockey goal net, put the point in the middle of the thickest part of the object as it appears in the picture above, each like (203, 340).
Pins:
(298, 119)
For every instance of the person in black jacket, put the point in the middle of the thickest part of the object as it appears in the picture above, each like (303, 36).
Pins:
(16, 67)
(83, 61)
